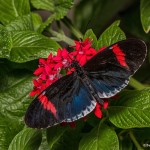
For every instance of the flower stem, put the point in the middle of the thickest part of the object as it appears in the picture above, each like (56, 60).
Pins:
(122, 132)
(136, 84)
(74, 30)
(103, 120)
(61, 37)
(59, 27)
(138, 146)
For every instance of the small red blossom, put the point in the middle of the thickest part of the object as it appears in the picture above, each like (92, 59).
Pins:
(62, 59)
(105, 105)
(97, 111)
(70, 71)
(83, 51)
(44, 64)
(49, 70)
(38, 87)
(47, 74)
(41, 68)
(46, 68)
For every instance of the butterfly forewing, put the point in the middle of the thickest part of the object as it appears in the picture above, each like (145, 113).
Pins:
(110, 69)
(128, 54)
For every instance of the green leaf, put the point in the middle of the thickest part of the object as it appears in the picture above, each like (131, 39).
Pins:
(10, 9)
(22, 23)
(61, 37)
(131, 23)
(14, 99)
(57, 7)
(28, 45)
(5, 43)
(15, 96)
(98, 14)
(111, 35)
(44, 143)
(36, 20)
(46, 23)
(131, 110)
(65, 137)
(30, 65)
(44, 4)
(27, 139)
(9, 127)
(101, 137)
(54, 134)
(90, 34)
(145, 15)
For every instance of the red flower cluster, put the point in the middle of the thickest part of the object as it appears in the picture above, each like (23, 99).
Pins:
(49, 70)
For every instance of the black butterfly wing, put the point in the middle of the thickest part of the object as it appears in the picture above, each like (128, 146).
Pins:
(66, 100)
(69, 99)
(110, 69)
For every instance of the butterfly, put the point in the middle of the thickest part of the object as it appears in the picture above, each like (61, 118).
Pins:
(75, 95)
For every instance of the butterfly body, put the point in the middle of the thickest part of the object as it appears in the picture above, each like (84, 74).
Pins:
(83, 76)
(75, 95)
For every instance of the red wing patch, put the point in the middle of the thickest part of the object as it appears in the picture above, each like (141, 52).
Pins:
(47, 104)
(119, 55)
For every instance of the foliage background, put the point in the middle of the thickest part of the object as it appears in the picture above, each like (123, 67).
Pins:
(30, 29)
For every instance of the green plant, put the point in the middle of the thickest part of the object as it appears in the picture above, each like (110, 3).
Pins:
(25, 37)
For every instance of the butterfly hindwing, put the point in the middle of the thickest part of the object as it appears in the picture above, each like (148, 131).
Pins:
(110, 69)
(66, 100)
(81, 103)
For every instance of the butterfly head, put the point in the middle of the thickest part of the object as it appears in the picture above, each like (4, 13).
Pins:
(75, 64)
(80, 71)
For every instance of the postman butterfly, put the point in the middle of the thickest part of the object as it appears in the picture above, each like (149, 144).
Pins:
(75, 95)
